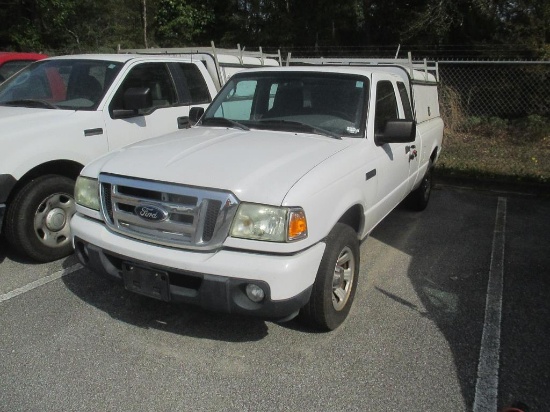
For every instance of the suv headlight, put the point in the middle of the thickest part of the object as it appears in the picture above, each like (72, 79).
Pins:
(269, 223)
(86, 192)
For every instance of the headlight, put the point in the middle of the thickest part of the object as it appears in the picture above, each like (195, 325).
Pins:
(268, 223)
(86, 192)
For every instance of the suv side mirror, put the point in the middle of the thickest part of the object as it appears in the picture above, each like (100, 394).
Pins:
(195, 113)
(134, 100)
(396, 131)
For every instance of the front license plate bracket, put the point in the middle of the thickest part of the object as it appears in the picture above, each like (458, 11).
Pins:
(146, 281)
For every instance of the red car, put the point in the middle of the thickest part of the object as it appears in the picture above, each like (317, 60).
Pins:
(11, 62)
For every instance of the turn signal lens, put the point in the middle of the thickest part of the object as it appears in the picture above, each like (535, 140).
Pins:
(297, 225)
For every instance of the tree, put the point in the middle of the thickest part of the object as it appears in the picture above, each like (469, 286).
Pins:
(179, 22)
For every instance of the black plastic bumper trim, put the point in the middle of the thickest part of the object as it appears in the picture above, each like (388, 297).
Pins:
(211, 292)
(7, 182)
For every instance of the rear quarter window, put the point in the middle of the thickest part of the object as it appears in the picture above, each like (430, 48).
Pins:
(405, 100)
(198, 90)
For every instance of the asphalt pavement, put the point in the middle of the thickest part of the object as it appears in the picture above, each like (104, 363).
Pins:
(418, 336)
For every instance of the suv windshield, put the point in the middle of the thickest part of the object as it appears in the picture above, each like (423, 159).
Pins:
(60, 84)
(324, 103)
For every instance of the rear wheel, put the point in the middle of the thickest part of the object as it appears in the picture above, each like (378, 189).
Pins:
(37, 220)
(419, 198)
(336, 281)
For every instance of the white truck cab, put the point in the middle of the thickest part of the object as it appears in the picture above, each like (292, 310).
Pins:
(261, 206)
(60, 113)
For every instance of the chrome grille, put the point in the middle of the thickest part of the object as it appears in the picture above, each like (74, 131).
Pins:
(166, 213)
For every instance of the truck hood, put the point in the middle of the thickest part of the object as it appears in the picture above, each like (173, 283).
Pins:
(256, 166)
(17, 121)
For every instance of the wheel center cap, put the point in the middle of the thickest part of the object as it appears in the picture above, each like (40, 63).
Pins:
(55, 220)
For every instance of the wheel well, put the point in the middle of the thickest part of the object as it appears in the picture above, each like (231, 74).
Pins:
(66, 168)
(353, 218)
(434, 154)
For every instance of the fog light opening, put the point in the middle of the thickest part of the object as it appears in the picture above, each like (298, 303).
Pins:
(255, 293)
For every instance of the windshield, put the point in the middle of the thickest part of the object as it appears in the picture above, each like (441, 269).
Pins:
(60, 84)
(323, 103)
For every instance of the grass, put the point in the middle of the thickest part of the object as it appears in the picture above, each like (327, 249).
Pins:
(494, 151)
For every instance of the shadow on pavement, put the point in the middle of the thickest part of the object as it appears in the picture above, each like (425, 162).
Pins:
(450, 254)
(143, 312)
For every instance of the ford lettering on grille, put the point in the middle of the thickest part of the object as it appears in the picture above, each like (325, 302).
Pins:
(151, 213)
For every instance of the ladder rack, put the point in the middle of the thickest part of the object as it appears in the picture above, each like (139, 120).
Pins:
(425, 66)
(239, 52)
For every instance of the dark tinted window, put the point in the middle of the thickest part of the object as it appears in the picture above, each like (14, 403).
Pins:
(154, 76)
(198, 90)
(386, 105)
(405, 100)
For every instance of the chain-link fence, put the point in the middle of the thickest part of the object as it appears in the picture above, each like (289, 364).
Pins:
(501, 89)
(505, 89)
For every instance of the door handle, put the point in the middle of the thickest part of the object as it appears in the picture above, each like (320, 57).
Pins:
(409, 148)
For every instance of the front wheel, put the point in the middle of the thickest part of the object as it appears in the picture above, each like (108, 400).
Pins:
(336, 281)
(37, 220)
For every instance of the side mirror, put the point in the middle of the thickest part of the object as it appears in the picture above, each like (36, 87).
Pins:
(396, 131)
(195, 113)
(134, 100)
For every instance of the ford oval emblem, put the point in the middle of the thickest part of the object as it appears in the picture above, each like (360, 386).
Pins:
(151, 213)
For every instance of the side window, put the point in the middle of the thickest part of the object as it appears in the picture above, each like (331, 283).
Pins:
(405, 100)
(238, 102)
(198, 90)
(154, 76)
(386, 105)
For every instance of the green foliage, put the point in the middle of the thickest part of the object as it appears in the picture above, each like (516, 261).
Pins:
(491, 124)
(69, 26)
(506, 150)
(178, 23)
(25, 37)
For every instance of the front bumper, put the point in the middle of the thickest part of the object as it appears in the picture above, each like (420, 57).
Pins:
(7, 183)
(215, 281)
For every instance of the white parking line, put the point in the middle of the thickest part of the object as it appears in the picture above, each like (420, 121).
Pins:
(39, 282)
(487, 373)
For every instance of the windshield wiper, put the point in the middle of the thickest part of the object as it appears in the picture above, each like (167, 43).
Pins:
(292, 125)
(31, 103)
(222, 121)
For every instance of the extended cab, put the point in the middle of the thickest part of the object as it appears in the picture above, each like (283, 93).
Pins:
(60, 113)
(261, 207)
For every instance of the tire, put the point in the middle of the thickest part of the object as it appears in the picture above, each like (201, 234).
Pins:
(419, 198)
(37, 219)
(334, 288)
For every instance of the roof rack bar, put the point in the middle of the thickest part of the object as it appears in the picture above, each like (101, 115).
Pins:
(423, 66)
(238, 52)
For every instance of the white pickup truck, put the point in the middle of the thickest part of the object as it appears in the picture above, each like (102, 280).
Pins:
(260, 207)
(60, 113)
